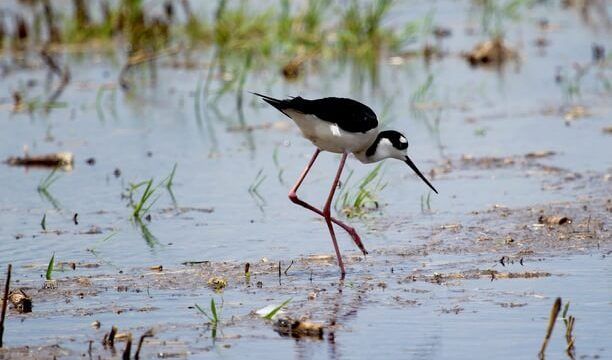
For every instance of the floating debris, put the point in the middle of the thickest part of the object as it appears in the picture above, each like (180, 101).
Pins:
(575, 112)
(298, 328)
(490, 52)
(217, 283)
(554, 220)
(293, 68)
(21, 301)
(59, 159)
(539, 154)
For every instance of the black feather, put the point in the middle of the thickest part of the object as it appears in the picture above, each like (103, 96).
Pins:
(348, 114)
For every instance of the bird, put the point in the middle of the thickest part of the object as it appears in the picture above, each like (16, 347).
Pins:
(344, 126)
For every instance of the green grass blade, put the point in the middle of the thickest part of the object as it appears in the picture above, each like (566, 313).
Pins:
(213, 310)
(203, 312)
(271, 314)
(50, 267)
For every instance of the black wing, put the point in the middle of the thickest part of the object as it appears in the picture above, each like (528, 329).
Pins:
(350, 115)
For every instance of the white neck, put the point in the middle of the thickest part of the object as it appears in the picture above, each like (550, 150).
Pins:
(384, 150)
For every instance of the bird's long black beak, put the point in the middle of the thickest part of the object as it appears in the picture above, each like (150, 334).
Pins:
(418, 172)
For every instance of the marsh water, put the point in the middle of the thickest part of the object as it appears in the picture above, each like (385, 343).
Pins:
(503, 145)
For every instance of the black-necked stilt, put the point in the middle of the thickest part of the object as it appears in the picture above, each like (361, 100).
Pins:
(343, 126)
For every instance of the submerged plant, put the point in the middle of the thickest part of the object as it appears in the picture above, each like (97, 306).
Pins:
(44, 184)
(426, 202)
(43, 190)
(259, 178)
(362, 198)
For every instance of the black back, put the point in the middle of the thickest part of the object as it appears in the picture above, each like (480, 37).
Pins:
(350, 115)
(393, 136)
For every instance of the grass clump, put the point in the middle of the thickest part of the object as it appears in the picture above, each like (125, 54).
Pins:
(358, 200)
(361, 32)
(143, 205)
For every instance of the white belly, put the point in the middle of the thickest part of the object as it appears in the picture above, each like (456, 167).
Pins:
(329, 137)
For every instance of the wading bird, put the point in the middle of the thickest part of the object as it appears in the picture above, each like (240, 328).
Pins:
(342, 126)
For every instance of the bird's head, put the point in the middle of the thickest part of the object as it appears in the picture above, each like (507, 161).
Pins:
(392, 144)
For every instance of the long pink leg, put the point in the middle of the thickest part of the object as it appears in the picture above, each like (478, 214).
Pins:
(327, 212)
(294, 198)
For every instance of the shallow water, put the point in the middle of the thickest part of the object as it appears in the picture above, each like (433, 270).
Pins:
(482, 113)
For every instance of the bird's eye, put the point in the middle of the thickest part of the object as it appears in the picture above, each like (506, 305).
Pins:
(403, 140)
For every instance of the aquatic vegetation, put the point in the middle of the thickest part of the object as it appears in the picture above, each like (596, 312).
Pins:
(214, 317)
(169, 181)
(569, 329)
(361, 32)
(235, 30)
(44, 184)
(554, 312)
(423, 94)
(50, 266)
(358, 200)
(259, 178)
(496, 13)
(100, 242)
(426, 203)
(270, 315)
(145, 202)
(43, 222)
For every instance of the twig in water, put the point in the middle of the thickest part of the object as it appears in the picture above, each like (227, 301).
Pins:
(128, 348)
(147, 334)
(43, 222)
(5, 300)
(554, 312)
(288, 267)
(109, 339)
